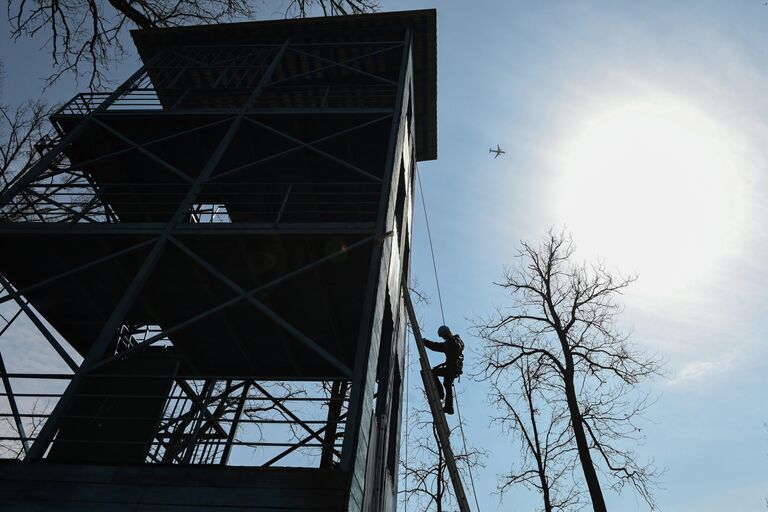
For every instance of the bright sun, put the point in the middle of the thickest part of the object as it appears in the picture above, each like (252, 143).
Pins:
(652, 186)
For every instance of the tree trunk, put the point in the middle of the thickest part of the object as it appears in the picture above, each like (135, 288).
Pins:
(590, 475)
(338, 393)
(439, 492)
(537, 448)
(545, 492)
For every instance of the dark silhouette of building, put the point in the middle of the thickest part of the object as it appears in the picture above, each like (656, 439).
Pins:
(216, 251)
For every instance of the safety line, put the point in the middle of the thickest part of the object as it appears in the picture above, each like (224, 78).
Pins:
(440, 299)
(407, 423)
(466, 453)
(429, 236)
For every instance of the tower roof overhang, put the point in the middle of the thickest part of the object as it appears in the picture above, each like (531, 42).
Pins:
(364, 27)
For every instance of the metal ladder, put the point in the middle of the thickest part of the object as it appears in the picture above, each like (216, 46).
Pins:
(441, 424)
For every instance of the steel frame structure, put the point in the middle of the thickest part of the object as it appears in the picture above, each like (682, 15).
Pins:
(207, 156)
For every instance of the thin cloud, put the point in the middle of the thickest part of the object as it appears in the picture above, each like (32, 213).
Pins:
(694, 371)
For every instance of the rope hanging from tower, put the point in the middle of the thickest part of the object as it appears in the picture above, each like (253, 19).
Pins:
(442, 315)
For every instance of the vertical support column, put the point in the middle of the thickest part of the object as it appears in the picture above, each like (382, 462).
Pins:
(359, 426)
(189, 449)
(235, 423)
(24, 306)
(338, 393)
(12, 401)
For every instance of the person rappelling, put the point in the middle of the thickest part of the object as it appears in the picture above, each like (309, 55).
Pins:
(453, 348)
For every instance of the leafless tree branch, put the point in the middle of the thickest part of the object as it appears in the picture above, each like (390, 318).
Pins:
(424, 480)
(564, 315)
(86, 37)
(547, 454)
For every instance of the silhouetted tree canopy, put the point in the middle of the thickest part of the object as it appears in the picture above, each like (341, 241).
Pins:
(424, 480)
(547, 460)
(21, 128)
(564, 316)
(86, 36)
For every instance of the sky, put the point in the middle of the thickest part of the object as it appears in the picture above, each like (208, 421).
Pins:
(638, 126)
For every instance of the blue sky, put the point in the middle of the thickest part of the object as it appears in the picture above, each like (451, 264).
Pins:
(551, 82)
(534, 78)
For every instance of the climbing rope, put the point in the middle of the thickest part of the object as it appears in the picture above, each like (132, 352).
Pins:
(442, 314)
(466, 453)
(407, 423)
(431, 249)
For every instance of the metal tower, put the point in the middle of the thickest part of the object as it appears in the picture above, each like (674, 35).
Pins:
(202, 270)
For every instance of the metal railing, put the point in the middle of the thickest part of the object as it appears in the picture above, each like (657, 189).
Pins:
(222, 78)
(203, 420)
(78, 198)
(368, 96)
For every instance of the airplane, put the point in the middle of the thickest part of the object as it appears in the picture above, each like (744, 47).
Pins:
(498, 151)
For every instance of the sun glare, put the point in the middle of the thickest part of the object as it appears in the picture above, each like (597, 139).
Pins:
(653, 187)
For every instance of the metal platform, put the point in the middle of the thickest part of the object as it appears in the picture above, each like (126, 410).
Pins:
(195, 292)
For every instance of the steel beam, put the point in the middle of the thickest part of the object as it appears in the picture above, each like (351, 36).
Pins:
(360, 378)
(27, 176)
(218, 229)
(200, 402)
(299, 144)
(274, 378)
(98, 349)
(40, 325)
(167, 332)
(343, 64)
(15, 294)
(310, 147)
(190, 447)
(134, 145)
(84, 211)
(307, 341)
(235, 423)
(11, 398)
(229, 112)
(141, 149)
(290, 414)
(302, 443)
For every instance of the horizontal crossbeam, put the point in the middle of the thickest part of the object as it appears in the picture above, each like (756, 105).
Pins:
(307, 341)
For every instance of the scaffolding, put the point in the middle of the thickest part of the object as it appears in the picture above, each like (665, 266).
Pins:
(202, 248)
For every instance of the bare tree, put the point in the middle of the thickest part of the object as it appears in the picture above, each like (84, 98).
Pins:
(424, 479)
(227, 402)
(12, 447)
(21, 129)
(547, 454)
(418, 296)
(25, 135)
(565, 313)
(86, 36)
(304, 8)
(337, 392)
